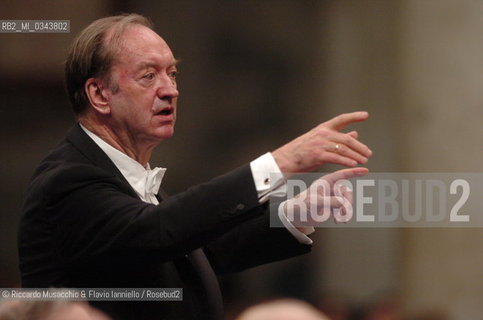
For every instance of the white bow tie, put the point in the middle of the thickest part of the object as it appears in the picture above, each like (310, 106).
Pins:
(153, 180)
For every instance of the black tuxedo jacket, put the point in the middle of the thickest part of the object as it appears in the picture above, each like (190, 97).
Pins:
(84, 226)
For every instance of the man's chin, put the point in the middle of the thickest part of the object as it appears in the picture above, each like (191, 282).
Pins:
(165, 132)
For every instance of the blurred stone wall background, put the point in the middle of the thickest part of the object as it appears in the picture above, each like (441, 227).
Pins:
(255, 74)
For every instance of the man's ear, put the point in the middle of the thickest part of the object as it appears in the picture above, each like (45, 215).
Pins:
(97, 95)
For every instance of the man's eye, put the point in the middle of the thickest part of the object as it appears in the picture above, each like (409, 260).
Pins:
(149, 76)
(173, 74)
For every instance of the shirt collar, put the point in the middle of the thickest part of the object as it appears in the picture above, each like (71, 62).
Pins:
(143, 180)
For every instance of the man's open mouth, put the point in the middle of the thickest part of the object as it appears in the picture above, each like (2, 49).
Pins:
(166, 111)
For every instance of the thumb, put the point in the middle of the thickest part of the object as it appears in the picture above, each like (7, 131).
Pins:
(350, 173)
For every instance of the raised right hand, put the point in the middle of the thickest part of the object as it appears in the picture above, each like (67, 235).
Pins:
(324, 144)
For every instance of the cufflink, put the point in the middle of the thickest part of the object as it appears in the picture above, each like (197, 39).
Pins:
(266, 181)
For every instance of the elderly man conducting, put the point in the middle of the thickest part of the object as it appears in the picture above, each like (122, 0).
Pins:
(93, 217)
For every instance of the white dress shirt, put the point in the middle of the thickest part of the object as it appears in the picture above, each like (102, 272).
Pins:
(139, 177)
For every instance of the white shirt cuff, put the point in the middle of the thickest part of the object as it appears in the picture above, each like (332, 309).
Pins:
(299, 235)
(269, 181)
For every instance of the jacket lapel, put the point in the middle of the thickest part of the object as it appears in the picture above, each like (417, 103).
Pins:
(85, 145)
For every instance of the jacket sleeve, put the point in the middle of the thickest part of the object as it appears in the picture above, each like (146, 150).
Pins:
(91, 215)
(252, 243)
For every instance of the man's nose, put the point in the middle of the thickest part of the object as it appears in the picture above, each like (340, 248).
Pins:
(167, 89)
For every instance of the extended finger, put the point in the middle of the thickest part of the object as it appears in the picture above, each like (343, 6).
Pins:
(322, 209)
(322, 201)
(341, 121)
(345, 174)
(343, 150)
(344, 213)
(347, 194)
(353, 134)
(332, 157)
(352, 143)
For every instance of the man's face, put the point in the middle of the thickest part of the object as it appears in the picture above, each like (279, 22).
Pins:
(144, 106)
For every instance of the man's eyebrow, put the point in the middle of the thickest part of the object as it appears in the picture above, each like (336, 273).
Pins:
(146, 65)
